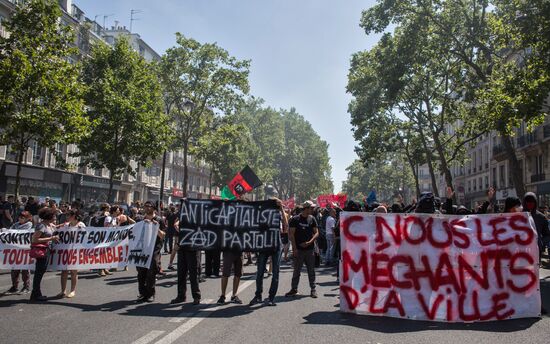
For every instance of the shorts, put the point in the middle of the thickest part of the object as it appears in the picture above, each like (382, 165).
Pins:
(284, 238)
(232, 260)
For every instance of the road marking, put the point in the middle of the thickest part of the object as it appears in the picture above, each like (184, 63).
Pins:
(195, 320)
(149, 337)
(185, 315)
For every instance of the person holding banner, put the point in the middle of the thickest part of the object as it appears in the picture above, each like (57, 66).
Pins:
(74, 218)
(275, 262)
(303, 233)
(147, 277)
(44, 233)
(24, 223)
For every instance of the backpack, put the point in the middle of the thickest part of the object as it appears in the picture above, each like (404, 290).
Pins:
(98, 221)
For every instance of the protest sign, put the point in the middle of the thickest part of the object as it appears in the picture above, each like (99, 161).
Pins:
(442, 268)
(230, 225)
(290, 203)
(324, 200)
(142, 244)
(83, 248)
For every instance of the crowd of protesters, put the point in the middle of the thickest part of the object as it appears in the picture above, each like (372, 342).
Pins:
(312, 232)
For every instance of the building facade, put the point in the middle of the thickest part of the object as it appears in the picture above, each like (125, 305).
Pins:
(43, 176)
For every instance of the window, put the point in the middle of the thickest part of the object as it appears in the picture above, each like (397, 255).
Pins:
(36, 153)
(494, 177)
(539, 168)
(480, 184)
(502, 177)
(469, 186)
(475, 187)
(486, 182)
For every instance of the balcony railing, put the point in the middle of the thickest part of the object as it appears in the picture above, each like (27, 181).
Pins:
(538, 177)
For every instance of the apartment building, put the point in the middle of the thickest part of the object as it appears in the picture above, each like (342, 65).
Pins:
(42, 176)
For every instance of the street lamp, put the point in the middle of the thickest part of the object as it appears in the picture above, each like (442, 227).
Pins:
(187, 106)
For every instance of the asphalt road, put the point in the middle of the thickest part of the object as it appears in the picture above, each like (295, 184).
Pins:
(104, 312)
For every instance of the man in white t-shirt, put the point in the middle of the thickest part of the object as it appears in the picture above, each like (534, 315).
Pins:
(329, 230)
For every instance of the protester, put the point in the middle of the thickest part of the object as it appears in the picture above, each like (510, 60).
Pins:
(231, 259)
(44, 234)
(284, 236)
(187, 265)
(147, 276)
(6, 212)
(275, 256)
(24, 223)
(541, 223)
(330, 222)
(74, 218)
(171, 221)
(303, 233)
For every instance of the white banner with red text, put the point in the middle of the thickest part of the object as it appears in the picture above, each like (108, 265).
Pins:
(83, 248)
(438, 267)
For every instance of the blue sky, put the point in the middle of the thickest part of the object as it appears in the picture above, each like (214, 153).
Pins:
(300, 51)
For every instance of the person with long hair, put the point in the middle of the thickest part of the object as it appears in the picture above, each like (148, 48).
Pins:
(74, 221)
(44, 233)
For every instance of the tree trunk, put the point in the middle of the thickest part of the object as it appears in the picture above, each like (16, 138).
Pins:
(210, 183)
(110, 195)
(20, 153)
(162, 175)
(185, 169)
(429, 159)
(412, 165)
(514, 167)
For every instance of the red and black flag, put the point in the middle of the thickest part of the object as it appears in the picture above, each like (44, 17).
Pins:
(245, 181)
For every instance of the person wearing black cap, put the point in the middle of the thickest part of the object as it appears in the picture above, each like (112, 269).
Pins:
(303, 233)
(147, 277)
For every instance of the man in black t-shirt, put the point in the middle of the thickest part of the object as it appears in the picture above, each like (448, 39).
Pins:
(303, 232)
(147, 277)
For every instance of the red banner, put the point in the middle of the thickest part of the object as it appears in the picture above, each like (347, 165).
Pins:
(324, 200)
(177, 192)
(290, 203)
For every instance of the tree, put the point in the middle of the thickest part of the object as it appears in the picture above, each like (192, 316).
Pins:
(40, 93)
(503, 50)
(200, 79)
(125, 109)
(223, 148)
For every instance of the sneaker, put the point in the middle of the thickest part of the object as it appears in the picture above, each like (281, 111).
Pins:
(221, 300)
(171, 268)
(292, 292)
(25, 290)
(150, 299)
(271, 302)
(12, 290)
(255, 301)
(196, 302)
(235, 299)
(101, 273)
(107, 272)
(313, 293)
(140, 299)
(177, 300)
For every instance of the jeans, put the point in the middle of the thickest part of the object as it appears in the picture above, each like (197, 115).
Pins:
(308, 257)
(39, 271)
(262, 262)
(330, 249)
(15, 278)
(147, 278)
(187, 264)
(169, 242)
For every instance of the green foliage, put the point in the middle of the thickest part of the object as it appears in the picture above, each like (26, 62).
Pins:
(125, 108)
(40, 93)
(475, 65)
(198, 81)
(389, 177)
(285, 151)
